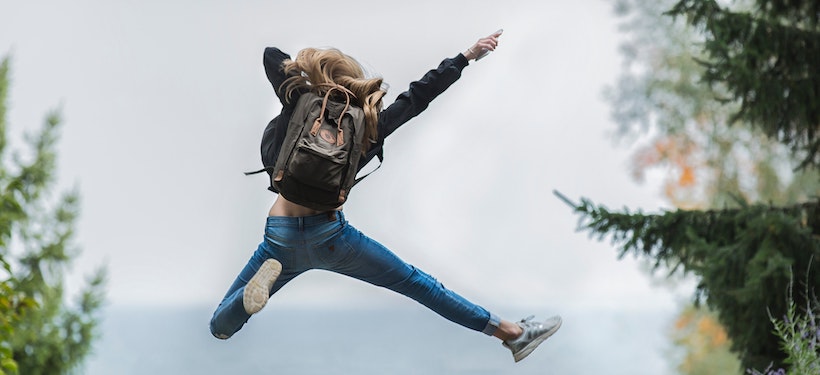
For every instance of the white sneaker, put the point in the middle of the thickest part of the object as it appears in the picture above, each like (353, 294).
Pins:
(534, 334)
(257, 291)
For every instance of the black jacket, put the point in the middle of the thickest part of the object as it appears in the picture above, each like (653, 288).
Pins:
(406, 106)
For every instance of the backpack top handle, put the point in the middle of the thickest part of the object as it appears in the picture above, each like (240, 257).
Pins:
(316, 124)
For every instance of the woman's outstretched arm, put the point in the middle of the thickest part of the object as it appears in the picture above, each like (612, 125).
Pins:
(418, 96)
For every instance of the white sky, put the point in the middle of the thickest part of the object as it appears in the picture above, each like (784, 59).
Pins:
(164, 104)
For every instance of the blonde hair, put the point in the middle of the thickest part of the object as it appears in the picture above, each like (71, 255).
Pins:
(314, 68)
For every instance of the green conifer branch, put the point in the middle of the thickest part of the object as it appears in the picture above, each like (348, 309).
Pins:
(744, 259)
(767, 60)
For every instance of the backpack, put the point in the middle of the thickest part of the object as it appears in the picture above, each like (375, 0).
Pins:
(319, 157)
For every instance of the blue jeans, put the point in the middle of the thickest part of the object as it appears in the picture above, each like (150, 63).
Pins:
(327, 241)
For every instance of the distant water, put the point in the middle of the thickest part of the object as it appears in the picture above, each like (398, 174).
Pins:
(384, 342)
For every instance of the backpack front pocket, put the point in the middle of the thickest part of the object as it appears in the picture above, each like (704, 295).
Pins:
(318, 167)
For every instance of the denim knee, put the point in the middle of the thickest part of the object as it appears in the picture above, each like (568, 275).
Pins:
(428, 291)
(216, 331)
(228, 318)
(418, 285)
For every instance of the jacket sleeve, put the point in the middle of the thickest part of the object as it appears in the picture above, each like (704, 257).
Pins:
(418, 96)
(415, 100)
(273, 59)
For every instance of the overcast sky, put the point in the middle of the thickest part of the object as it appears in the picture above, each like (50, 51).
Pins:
(164, 104)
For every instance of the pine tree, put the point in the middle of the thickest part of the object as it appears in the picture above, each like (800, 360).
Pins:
(12, 303)
(711, 98)
(767, 59)
(745, 259)
(709, 160)
(45, 334)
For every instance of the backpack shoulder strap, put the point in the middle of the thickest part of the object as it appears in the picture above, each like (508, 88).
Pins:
(266, 169)
(380, 155)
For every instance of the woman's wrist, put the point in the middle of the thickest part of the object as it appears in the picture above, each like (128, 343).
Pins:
(470, 53)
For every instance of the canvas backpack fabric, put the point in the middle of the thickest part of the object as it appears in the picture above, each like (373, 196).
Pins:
(319, 157)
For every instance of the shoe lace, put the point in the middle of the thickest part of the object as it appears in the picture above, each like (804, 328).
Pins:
(526, 324)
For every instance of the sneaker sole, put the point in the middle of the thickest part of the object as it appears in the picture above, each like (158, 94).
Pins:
(534, 344)
(257, 291)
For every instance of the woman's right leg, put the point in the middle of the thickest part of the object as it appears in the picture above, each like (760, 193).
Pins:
(233, 312)
(230, 315)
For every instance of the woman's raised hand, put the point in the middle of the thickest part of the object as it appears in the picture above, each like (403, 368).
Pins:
(483, 46)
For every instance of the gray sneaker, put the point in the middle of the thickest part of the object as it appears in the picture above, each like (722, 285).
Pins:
(534, 334)
(257, 291)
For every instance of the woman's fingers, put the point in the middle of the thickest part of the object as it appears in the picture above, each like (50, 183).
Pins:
(483, 45)
(489, 43)
(491, 40)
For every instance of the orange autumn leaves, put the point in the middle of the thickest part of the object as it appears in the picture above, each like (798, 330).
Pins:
(680, 155)
(708, 346)
(710, 332)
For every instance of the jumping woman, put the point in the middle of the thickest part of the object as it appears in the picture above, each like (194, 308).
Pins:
(298, 238)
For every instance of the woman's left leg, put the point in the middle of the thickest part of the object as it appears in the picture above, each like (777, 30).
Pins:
(361, 257)
(367, 260)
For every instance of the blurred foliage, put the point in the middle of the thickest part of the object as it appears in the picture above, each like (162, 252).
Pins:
(12, 303)
(764, 55)
(707, 344)
(799, 333)
(42, 335)
(708, 160)
(743, 258)
(726, 103)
